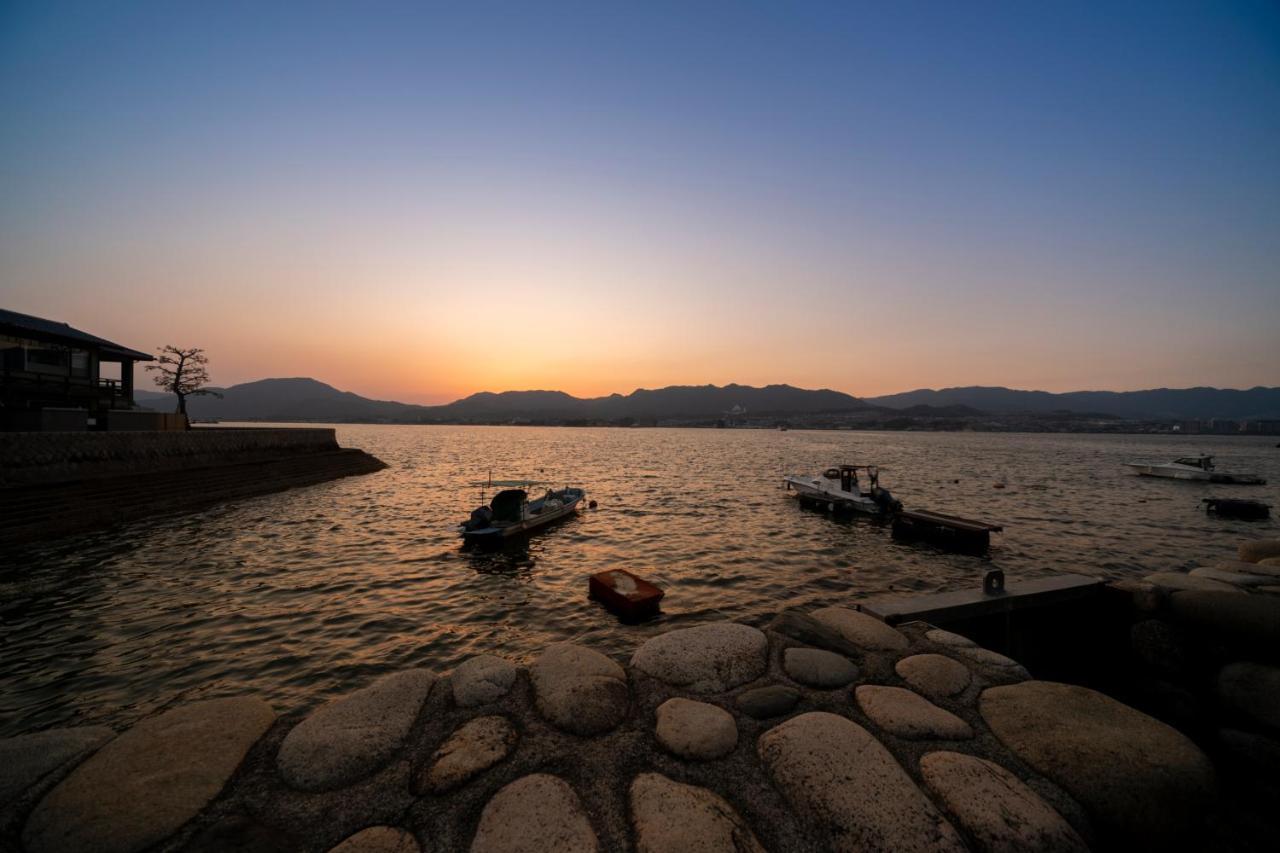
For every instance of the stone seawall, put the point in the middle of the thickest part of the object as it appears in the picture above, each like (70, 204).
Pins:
(33, 458)
(825, 730)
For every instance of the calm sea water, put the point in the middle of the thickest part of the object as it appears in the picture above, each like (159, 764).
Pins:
(306, 594)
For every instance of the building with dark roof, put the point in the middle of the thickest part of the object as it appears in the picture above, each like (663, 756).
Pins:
(51, 376)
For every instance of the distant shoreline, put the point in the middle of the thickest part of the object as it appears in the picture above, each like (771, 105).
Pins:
(1127, 428)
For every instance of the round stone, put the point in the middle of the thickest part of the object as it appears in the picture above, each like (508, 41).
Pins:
(352, 736)
(579, 690)
(1259, 549)
(1143, 783)
(993, 661)
(1269, 567)
(695, 730)
(535, 813)
(1233, 578)
(145, 784)
(706, 658)
(949, 639)
(1251, 690)
(995, 808)
(764, 702)
(474, 747)
(909, 715)
(670, 816)
(818, 668)
(846, 785)
(1179, 581)
(933, 675)
(482, 679)
(27, 759)
(379, 839)
(866, 631)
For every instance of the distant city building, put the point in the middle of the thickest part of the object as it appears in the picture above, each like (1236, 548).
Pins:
(1263, 427)
(51, 378)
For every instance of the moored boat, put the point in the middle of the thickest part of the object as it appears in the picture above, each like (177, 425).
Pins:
(1193, 468)
(512, 513)
(840, 488)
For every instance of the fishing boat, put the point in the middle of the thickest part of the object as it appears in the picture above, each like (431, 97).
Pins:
(840, 489)
(512, 513)
(1193, 468)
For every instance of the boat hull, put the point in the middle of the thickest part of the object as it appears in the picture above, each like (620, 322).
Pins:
(1170, 472)
(1177, 472)
(810, 490)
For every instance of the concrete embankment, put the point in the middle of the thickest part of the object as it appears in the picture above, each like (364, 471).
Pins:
(825, 730)
(53, 484)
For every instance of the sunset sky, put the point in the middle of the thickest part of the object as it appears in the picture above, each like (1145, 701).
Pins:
(417, 201)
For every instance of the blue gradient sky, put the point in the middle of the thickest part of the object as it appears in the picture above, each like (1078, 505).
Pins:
(420, 201)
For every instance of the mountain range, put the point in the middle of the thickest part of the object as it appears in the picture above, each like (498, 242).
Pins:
(302, 399)
(1157, 404)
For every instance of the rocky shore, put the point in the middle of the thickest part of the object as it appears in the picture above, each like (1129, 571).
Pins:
(826, 730)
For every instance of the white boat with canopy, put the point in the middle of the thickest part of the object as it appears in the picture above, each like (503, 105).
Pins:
(840, 488)
(1192, 468)
(512, 512)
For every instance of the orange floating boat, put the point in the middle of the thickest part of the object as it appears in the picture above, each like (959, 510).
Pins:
(625, 594)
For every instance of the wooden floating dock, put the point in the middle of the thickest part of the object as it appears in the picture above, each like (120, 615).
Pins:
(948, 531)
(629, 596)
(946, 608)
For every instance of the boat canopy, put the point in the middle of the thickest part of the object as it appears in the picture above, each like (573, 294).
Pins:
(507, 504)
(1205, 462)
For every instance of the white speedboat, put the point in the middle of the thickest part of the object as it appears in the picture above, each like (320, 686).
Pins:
(839, 489)
(1192, 468)
(512, 513)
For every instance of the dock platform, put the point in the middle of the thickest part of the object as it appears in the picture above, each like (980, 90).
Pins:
(946, 608)
(948, 531)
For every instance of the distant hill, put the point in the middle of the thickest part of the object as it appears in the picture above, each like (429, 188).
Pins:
(285, 400)
(308, 399)
(1156, 404)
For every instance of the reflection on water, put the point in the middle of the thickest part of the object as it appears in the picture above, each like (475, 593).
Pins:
(306, 594)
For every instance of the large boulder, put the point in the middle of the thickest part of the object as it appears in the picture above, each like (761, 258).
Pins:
(1269, 567)
(482, 679)
(1172, 581)
(805, 629)
(534, 814)
(695, 730)
(1143, 783)
(1231, 577)
(1250, 620)
(706, 658)
(145, 784)
(1252, 691)
(866, 632)
(844, 783)
(909, 715)
(352, 736)
(995, 808)
(1259, 549)
(27, 759)
(579, 690)
(670, 816)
